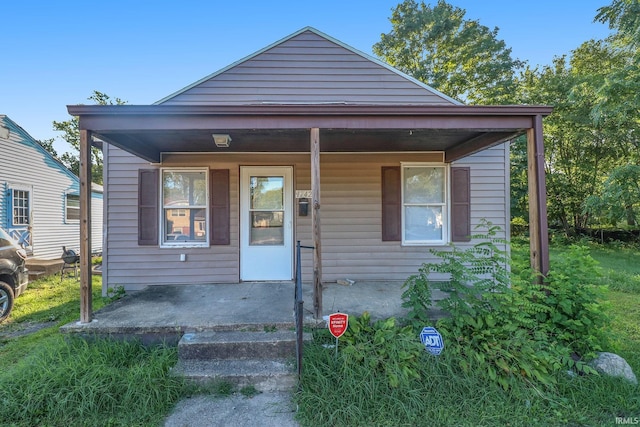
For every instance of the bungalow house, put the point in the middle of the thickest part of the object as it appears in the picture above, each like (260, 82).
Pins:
(305, 140)
(40, 200)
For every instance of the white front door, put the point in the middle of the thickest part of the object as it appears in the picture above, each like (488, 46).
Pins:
(266, 223)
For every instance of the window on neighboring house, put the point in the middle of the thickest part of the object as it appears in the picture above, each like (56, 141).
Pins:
(72, 210)
(184, 207)
(424, 204)
(21, 205)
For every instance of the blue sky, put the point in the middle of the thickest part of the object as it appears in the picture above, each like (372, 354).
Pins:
(57, 52)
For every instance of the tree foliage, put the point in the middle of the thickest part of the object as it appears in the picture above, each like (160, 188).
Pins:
(593, 131)
(619, 199)
(623, 16)
(457, 56)
(580, 149)
(72, 136)
(47, 144)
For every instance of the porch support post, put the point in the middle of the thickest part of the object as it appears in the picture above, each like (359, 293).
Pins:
(317, 243)
(85, 227)
(538, 227)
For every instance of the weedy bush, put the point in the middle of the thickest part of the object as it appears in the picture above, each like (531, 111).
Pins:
(576, 315)
(383, 347)
(507, 326)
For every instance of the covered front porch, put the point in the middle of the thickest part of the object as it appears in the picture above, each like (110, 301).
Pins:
(165, 313)
(456, 131)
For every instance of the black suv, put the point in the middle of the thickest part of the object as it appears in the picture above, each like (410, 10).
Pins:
(13, 274)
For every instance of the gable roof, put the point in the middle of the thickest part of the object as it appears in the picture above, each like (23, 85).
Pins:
(28, 140)
(308, 67)
(50, 159)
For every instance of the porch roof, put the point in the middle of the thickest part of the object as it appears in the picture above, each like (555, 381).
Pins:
(458, 130)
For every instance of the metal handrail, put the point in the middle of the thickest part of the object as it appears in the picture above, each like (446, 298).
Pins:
(298, 313)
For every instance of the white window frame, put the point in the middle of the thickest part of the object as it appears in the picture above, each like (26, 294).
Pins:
(162, 223)
(446, 204)
(66, 209)
(29, 190)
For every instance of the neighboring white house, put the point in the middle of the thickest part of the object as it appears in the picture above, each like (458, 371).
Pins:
(40, 202)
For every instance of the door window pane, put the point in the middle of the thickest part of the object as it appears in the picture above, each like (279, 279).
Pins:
(267, 192)
(267, 228)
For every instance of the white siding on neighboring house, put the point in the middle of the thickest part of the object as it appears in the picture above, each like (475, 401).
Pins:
(23, 164)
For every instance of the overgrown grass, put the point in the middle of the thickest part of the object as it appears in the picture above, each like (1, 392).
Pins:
(51, 380)
(335, 393)
(445, 395)
(75, 382)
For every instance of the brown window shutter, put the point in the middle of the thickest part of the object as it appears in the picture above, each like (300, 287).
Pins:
(219, 199)
(148, 205)
(391, 204)
(460, 204)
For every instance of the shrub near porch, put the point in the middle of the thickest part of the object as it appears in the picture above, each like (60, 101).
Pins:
(507, 351)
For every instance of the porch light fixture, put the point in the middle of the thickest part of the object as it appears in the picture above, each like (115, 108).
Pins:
(221, 140)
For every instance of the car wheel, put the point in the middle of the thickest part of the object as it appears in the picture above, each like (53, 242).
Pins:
(6, 300)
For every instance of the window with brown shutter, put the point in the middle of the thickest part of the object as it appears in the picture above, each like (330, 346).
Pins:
(460, 204)
(419, 177)
(148, 205)
(220, 215)
(391, 204)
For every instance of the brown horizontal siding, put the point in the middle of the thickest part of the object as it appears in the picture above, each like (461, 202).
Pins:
(310, 90)
(350, 216)
(293, 99)
(347, 77)
(307, 69)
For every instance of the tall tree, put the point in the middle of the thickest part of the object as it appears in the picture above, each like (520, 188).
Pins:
(623, 16)
(457, 56)
(582, 148)
(619, 94)
(620, 196)
(72, 136)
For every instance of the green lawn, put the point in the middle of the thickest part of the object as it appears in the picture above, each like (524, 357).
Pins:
(338, 395)
(49, 380)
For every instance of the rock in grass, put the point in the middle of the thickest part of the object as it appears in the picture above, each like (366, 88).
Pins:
(613, 365)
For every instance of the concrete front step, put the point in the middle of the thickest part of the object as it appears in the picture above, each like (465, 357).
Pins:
(240, 357)
(238, 345)
(264, 375)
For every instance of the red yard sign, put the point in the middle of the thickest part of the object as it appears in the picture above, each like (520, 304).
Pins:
(338, 323)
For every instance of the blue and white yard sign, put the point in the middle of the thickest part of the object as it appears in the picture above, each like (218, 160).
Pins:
(432, 340)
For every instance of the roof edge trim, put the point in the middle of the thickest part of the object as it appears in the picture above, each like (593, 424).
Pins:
(310, 110)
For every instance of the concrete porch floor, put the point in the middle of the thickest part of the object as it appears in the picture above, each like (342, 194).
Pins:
(166, 312)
